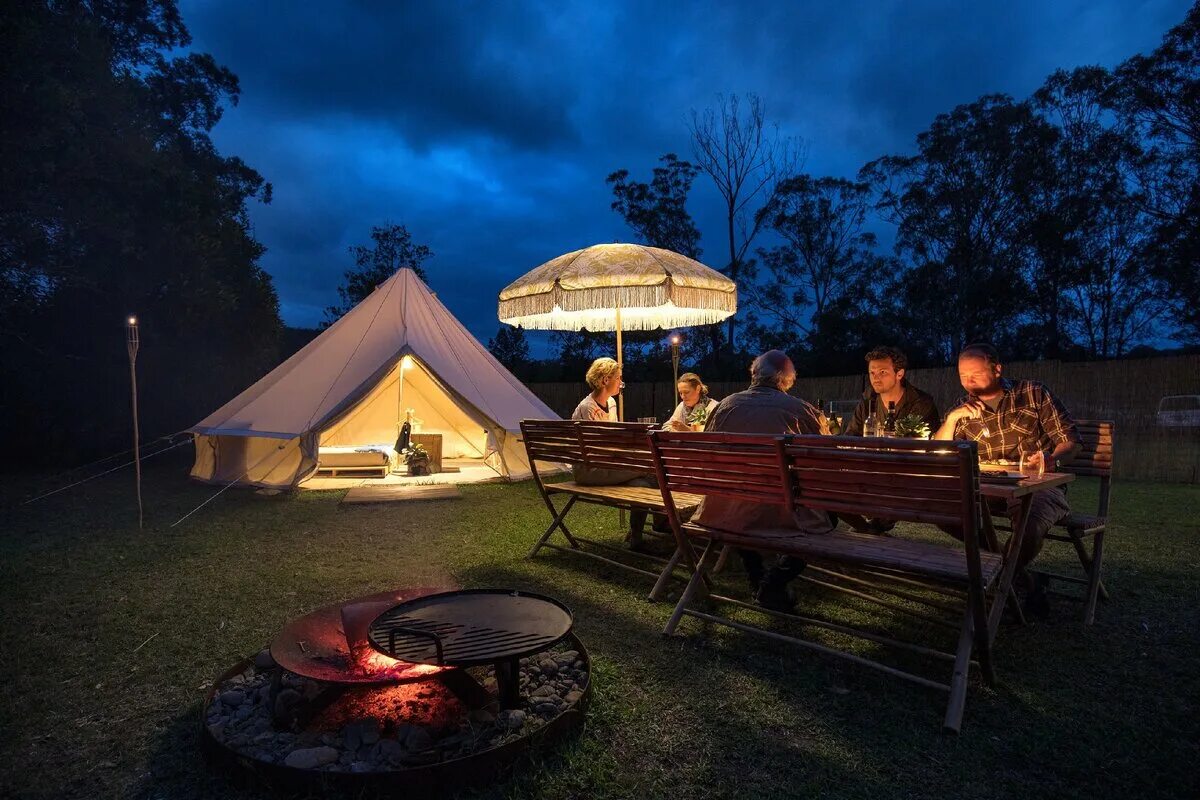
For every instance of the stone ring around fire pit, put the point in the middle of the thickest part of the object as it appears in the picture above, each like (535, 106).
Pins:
(418, 729)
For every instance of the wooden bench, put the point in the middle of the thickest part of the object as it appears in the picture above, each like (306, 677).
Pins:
(621, 446)
(910, 481)
(1094, 459)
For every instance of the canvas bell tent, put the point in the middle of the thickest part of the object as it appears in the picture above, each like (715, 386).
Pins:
(348, 389)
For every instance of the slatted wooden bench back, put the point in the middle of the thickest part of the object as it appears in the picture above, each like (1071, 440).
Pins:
(617, 445)
(554, 440)
(899, 479)
(1096, 457)
(738, 466)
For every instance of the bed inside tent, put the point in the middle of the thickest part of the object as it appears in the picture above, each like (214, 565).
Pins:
(361, 442)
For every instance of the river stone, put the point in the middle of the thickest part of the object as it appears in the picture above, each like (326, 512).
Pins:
(388, 750)
(285, 703)
(233, 697)
(311, 758)
(574, 696)
(264, 660)
(482, 716)
(511, 719)
(418, 739)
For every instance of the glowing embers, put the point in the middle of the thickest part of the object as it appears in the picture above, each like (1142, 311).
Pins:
(330, 644)
(429, 704)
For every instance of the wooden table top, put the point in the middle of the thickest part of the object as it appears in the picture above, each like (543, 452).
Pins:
(1008, 490)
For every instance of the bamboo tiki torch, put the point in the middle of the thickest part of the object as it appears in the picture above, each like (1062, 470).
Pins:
(131, 347)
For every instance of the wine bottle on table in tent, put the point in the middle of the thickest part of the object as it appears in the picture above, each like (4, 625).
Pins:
(889, 422)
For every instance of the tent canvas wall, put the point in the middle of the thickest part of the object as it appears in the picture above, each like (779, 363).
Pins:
(344, 389)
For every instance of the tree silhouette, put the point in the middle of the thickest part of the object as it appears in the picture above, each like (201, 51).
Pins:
(512, 350)
(745, 158)
(393, 250)
(116, 200)
(961, 207)
(657, 211)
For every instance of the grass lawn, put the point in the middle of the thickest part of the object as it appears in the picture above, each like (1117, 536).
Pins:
(109, 635)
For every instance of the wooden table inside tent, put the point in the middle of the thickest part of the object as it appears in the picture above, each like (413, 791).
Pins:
(432, 442)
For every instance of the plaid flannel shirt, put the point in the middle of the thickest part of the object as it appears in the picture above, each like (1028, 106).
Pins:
(1027, 411)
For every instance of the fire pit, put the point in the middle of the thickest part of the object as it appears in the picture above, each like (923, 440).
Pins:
(420, 691)
(470, 627)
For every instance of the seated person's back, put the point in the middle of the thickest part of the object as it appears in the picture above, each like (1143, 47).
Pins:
(765, 407)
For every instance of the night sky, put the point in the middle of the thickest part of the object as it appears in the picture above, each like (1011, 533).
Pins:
(488, 128)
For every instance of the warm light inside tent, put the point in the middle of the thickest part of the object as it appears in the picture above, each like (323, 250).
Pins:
(406, 363)
(132, 320)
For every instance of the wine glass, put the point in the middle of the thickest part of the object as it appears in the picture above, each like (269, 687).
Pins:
(1033, 460)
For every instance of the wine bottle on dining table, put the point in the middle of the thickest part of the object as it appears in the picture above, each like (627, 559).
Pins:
(889, 422)
(834, 421)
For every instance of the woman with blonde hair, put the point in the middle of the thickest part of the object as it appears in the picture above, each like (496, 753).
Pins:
(600, 405)
(604, 379)
(694, 404)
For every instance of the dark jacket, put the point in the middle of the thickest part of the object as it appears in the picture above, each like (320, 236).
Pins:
(914, 401)
(762, 409)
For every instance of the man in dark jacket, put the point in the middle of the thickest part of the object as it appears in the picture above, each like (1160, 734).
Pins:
(766, 407)
(886, 367)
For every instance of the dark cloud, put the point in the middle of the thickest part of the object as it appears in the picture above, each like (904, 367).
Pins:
(431, 70)
(488, 128)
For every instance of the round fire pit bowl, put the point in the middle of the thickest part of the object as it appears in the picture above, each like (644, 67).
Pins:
(424, 735)
(468, 627)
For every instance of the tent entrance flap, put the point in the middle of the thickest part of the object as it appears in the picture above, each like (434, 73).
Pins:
(375, 420)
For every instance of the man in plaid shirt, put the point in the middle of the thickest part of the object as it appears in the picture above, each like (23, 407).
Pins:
(1004, 417)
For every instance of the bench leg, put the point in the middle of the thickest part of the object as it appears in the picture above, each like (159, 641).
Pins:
(1087, 561)
(698, 583)
(684, 600)
(1095, 586)
(962, 668)
(660, 587)
(722, 560)
(557, 523)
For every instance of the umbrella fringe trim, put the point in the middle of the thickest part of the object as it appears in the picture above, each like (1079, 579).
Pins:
(673, 305)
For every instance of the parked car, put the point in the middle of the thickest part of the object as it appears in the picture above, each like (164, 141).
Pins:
(1179, 410)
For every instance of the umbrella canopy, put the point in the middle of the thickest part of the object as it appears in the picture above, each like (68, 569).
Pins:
(614, 287)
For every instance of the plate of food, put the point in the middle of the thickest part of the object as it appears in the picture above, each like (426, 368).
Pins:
(999, 471)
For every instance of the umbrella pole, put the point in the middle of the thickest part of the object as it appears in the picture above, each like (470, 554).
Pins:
(621, 366)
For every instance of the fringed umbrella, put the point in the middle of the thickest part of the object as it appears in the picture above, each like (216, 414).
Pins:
(616, 287)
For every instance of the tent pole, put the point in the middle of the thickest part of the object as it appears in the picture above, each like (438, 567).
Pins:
(620, 366)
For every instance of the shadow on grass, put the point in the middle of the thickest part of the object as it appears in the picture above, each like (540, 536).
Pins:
(644, 683)
(794, 705)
